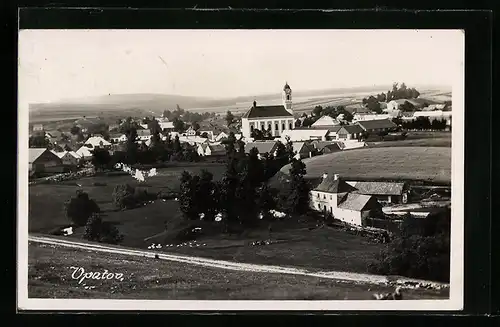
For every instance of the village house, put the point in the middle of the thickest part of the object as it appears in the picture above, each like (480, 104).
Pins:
(349, 132)
(268, 148)
(306, 134)
(324, 147)
(302, 150)
(85, 123)
(69, 158)
(357, 108)
(190, 131)
(97, 142)
(205, 150)
(396, 104)
(377, 126)
(273, 118)
(386, 192)
(221, 136)
(433, 115)
(118, 138)
(43, 160)
(325, 121)
(84, 152)
(37, 128)
(143, 135)
(363, 116)
(334, 196)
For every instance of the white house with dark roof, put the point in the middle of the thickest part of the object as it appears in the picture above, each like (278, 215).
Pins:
(333, 195)
(275, 118)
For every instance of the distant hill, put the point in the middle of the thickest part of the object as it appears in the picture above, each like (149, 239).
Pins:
(147, 104)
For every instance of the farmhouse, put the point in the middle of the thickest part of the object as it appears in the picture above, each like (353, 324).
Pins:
(375, 126)
(84, 152)
(325, 121)
(262, 147)
(306, 134)
(43, 160)
(118, 138)
(97, 142)
(388, 192)
(363, 116)
(211, 150)
(302, 150)
(357, 108)
(349, 132)
(221, 136)
(37, 127)
(327, 147)
(190, 131)
(334, 196)
(275, 118)
(69, 158)
(143, 135)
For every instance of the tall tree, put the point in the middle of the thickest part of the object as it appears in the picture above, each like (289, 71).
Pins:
(187, 197)
(298, 200)
(229, 118)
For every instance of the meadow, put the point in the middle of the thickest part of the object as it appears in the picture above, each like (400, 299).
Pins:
(417, 163)
(49, 276)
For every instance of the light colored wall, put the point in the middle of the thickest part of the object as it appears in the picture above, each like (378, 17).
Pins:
(348, 216)
(246, 122)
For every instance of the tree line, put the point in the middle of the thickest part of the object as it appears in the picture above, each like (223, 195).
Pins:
(422, 123)
(398, 92)
(242, 195)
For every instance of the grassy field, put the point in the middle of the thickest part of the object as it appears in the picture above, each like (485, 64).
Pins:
(430, 164)
(321, 249)
(426, 139)
(49, 276)
(46, 201)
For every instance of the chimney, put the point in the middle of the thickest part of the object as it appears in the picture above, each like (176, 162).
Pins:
(254, 103)
(335, 177)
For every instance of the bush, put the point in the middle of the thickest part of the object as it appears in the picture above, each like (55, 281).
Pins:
(97, 230)
(80, 208)
(123, 196)
(416, 256)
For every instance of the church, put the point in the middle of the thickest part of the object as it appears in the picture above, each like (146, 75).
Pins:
(275, 119)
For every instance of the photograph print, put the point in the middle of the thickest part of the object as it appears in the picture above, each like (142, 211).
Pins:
(223, 169)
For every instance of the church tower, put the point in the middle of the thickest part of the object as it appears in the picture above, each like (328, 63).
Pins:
(287, 98)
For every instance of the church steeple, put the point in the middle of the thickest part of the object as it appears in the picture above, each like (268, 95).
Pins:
(287, 98)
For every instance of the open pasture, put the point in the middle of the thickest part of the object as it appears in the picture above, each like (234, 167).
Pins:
(428, 164)
(46, 201)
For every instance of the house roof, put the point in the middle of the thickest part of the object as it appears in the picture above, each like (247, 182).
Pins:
(375, 124)
(262, 147)
(96, 141)
(379, 188)
(54, 133)
(331, 147)
(298, 146)
(357, 202)
(351, 129)
(266, 111)
(326, 121)
(330, 185)
(216, 147)
(84, 152)
(35, 153)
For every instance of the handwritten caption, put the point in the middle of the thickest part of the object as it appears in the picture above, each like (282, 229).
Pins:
(80, 274)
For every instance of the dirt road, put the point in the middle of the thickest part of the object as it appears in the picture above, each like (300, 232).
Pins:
(337, 275)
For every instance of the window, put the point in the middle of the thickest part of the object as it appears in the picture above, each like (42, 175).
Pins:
(331, 197)
(269, 126)
(288, 97)
(283, 126)
(324, 197)
(318, 195)
(276, 126)
(290, 125)
(251, 128)
(262, 126)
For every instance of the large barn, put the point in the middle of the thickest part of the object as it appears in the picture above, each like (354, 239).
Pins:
(43, 160)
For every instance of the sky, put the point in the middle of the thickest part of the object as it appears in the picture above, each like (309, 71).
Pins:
(62, 64)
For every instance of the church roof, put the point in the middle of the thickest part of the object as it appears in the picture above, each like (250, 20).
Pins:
(286, 87)
(267, 111)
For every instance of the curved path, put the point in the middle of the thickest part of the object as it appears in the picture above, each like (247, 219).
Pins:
(337, 275)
